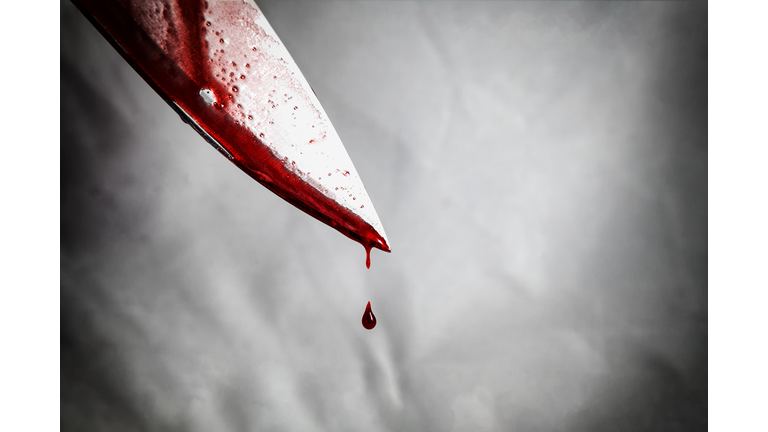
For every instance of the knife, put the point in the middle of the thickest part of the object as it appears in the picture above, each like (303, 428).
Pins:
(222, 68)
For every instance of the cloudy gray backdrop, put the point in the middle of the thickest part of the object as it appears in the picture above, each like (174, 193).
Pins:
(540, 170)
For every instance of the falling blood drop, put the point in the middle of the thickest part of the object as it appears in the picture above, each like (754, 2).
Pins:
(369, 319)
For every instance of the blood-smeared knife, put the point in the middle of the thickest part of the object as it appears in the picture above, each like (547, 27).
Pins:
(222, 68)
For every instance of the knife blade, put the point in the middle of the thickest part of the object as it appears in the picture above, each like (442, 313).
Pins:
(223, 69)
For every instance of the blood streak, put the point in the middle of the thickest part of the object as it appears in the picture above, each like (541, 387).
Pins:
(369, 319)
(174, 60)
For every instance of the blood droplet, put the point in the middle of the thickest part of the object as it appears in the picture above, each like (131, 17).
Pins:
(367, 255)
(369, 319)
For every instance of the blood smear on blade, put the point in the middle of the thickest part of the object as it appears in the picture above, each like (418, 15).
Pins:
(369, 319)
(189, 68)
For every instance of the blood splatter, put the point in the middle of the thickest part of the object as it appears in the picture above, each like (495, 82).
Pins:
(369, 319)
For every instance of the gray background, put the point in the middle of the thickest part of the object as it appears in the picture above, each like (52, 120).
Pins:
(540, 170)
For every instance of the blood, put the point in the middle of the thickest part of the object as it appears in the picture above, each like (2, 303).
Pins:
(369, 319)
(178, 74)
(367, 256)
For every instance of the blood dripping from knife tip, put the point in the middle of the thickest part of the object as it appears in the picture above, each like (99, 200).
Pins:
(367, 256)
(369, 319)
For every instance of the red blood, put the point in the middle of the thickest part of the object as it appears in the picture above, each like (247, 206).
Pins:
(369, 319)
(177, 75)
(367, 255)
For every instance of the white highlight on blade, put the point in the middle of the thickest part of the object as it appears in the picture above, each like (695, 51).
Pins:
(207, 96)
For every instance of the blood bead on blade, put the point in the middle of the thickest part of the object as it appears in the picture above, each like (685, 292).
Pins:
(369, 319)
